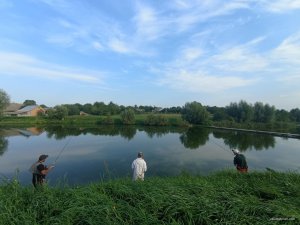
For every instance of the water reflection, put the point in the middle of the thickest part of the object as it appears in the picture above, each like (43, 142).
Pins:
(127, 132)
(191, 138)
(92, 151)
(244, 141)
(156, 131)
(195, 137)
(3, 145)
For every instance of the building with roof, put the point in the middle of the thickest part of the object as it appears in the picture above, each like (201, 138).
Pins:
(11, 109)
(30, 110)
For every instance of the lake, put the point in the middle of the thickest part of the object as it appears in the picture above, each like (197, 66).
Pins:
(86, 155)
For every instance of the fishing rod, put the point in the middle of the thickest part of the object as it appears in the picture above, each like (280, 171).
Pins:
(227, 150)
(61, 151)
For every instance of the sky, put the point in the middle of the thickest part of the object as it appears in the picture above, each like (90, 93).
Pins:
(150, 52)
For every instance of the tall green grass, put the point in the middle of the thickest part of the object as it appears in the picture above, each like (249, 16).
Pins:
(222, 198)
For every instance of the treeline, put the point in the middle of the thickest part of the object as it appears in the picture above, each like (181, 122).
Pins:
(193, 112)
(100, 108)
(243, 112)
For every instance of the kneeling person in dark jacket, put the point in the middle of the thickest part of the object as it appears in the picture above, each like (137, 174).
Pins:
(39, 171)
(240, 161)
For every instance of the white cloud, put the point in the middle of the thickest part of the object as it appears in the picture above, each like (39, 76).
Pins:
(148, 26)
(239, 59)
(24, 65)
(192, 53)
(201, 11)
(289, 50)
(280, 6)
(200, 82)
(195, 70)
(97, 45)
(118, 46)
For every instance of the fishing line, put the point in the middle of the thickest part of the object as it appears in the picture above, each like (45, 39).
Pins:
(227, 150)
(61, 151)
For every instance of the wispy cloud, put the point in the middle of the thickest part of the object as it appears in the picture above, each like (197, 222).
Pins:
(280, 6)
(194, 81)
(146, 25)
(195, 70)
(289, 50)
(17, 64)
(241, 58)
(118, 46)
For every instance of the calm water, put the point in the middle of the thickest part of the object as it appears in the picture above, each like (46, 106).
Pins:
(105, 152)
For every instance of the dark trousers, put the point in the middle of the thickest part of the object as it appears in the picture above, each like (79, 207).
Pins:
(242, 170)
(37, 179)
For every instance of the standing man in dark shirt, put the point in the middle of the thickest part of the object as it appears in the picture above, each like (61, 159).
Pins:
(240, 161)
(39, 171)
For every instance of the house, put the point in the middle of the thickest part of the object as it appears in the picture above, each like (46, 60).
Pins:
(81, 113)
(11, 109)
(32, 131)
(30, 110)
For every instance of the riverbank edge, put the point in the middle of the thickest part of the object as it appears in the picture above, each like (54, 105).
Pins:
(279, 134)
(224, 197)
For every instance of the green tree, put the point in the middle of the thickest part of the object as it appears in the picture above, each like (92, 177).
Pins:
(245, 111)
(195, 113)
(58, 112)
(128, 116)
(282, 115)
(113, 108)
(218, 113)
(99, 108)
(87, 108)
(258, 112)
(44, 106)
(240, 112)
(269, 113)
(295, 115)
(233, 111)
(4, 101)
(73, 109)
(29, 102)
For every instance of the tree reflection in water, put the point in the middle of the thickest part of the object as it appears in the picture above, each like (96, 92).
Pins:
(195, 137)
(3, 145)
(191, 138)
(245, 141)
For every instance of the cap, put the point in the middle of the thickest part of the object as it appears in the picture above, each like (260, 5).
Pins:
(42, 157)
(140, 154)
(236, 151)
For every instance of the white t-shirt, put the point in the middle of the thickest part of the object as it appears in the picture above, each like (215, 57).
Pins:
(139, 168)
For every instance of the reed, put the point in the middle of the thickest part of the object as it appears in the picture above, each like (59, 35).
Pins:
(225, 197)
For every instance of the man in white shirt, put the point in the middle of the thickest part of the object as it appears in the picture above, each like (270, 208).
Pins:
(139, 167)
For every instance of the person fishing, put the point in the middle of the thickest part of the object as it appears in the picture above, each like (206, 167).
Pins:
(39, 171)
(240, 161)
(139, 167)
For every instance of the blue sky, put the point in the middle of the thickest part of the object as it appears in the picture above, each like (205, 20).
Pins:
(162, 53)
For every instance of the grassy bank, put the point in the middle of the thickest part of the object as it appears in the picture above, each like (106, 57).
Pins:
(222, 198)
